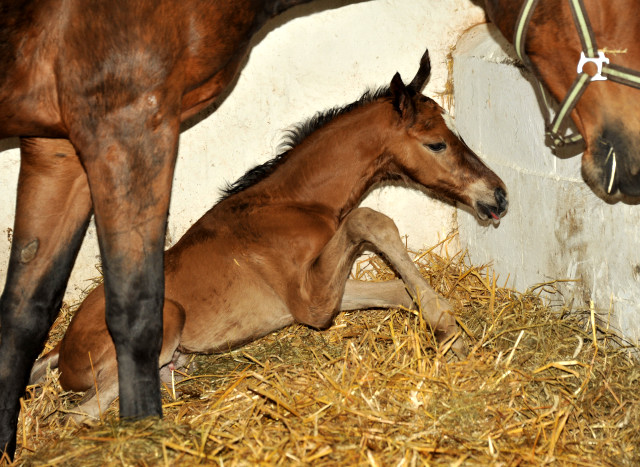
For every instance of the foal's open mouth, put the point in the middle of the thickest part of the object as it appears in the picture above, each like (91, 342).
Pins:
(486, 211)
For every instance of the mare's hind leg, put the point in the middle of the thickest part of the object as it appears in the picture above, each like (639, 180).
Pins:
(329, 290)
(130, 169)
(52, 214)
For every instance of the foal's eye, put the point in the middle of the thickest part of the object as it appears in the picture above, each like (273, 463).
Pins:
(436, 147)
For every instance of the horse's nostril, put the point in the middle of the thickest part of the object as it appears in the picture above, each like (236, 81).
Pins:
(501, 198)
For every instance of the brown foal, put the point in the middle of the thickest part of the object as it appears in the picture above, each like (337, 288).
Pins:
(279, 247)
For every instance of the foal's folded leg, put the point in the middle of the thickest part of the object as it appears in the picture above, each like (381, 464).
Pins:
(330, 291)
(94, 404)
(360, 295)
(86, 356)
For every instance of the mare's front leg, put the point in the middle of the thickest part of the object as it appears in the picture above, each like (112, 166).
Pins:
(129, 157)
(329, 290)
(52, 214)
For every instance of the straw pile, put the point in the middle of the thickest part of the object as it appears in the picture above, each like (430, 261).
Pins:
(540, 386)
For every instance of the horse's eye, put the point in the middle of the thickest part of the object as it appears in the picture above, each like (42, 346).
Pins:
(436, 147)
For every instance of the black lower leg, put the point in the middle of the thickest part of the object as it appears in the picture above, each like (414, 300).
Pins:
(27, 311)
(134, 319)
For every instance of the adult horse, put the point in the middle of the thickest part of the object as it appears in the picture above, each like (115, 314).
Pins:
(566, 43)
(96, 89)
(280, 246)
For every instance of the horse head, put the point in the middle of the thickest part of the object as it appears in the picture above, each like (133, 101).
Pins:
(609, 121)
(432, 153)
(554, 38)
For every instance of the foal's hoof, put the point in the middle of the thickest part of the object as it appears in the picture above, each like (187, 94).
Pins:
(451, 342)
(460, 348)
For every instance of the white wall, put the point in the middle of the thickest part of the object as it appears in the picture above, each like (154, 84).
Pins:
(556, 228)
(311, 58)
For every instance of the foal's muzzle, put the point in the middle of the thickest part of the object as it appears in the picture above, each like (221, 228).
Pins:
(497, 210)
(501, 199)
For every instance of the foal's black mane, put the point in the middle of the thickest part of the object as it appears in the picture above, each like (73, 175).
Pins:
(294, 136)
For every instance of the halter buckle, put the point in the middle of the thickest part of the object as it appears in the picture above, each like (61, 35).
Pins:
(599, 61)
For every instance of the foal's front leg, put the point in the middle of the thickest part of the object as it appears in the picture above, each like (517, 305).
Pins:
(329, 290)
(52, 214)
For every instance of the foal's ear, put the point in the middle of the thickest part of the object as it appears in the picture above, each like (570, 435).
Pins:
(421, 77)
(402, 100)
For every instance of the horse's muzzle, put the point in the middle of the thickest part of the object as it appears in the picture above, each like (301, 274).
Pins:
(497, 210)
(502, 201)
(617, 165)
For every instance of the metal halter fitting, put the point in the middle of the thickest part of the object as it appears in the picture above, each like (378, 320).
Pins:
(589, 54)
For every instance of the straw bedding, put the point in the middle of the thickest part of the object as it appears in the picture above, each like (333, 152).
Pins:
(541, 385)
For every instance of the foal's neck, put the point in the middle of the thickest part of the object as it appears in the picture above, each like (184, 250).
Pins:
(335, 165)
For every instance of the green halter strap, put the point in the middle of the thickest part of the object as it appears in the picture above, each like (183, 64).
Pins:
(589, 54)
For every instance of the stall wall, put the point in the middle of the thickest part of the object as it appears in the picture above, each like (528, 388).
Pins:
(556, 228)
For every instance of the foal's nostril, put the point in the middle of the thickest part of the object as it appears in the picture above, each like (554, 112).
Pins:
(501, 199)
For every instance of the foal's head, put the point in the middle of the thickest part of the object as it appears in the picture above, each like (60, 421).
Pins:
(429, 150)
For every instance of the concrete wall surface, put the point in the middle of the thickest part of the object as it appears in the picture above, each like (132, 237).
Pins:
(556, 228)
(311, 58)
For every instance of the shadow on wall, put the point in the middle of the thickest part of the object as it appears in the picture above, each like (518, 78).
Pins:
(9, 143)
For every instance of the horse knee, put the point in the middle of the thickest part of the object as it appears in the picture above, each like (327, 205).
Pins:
(371, 225)
(368, 216)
